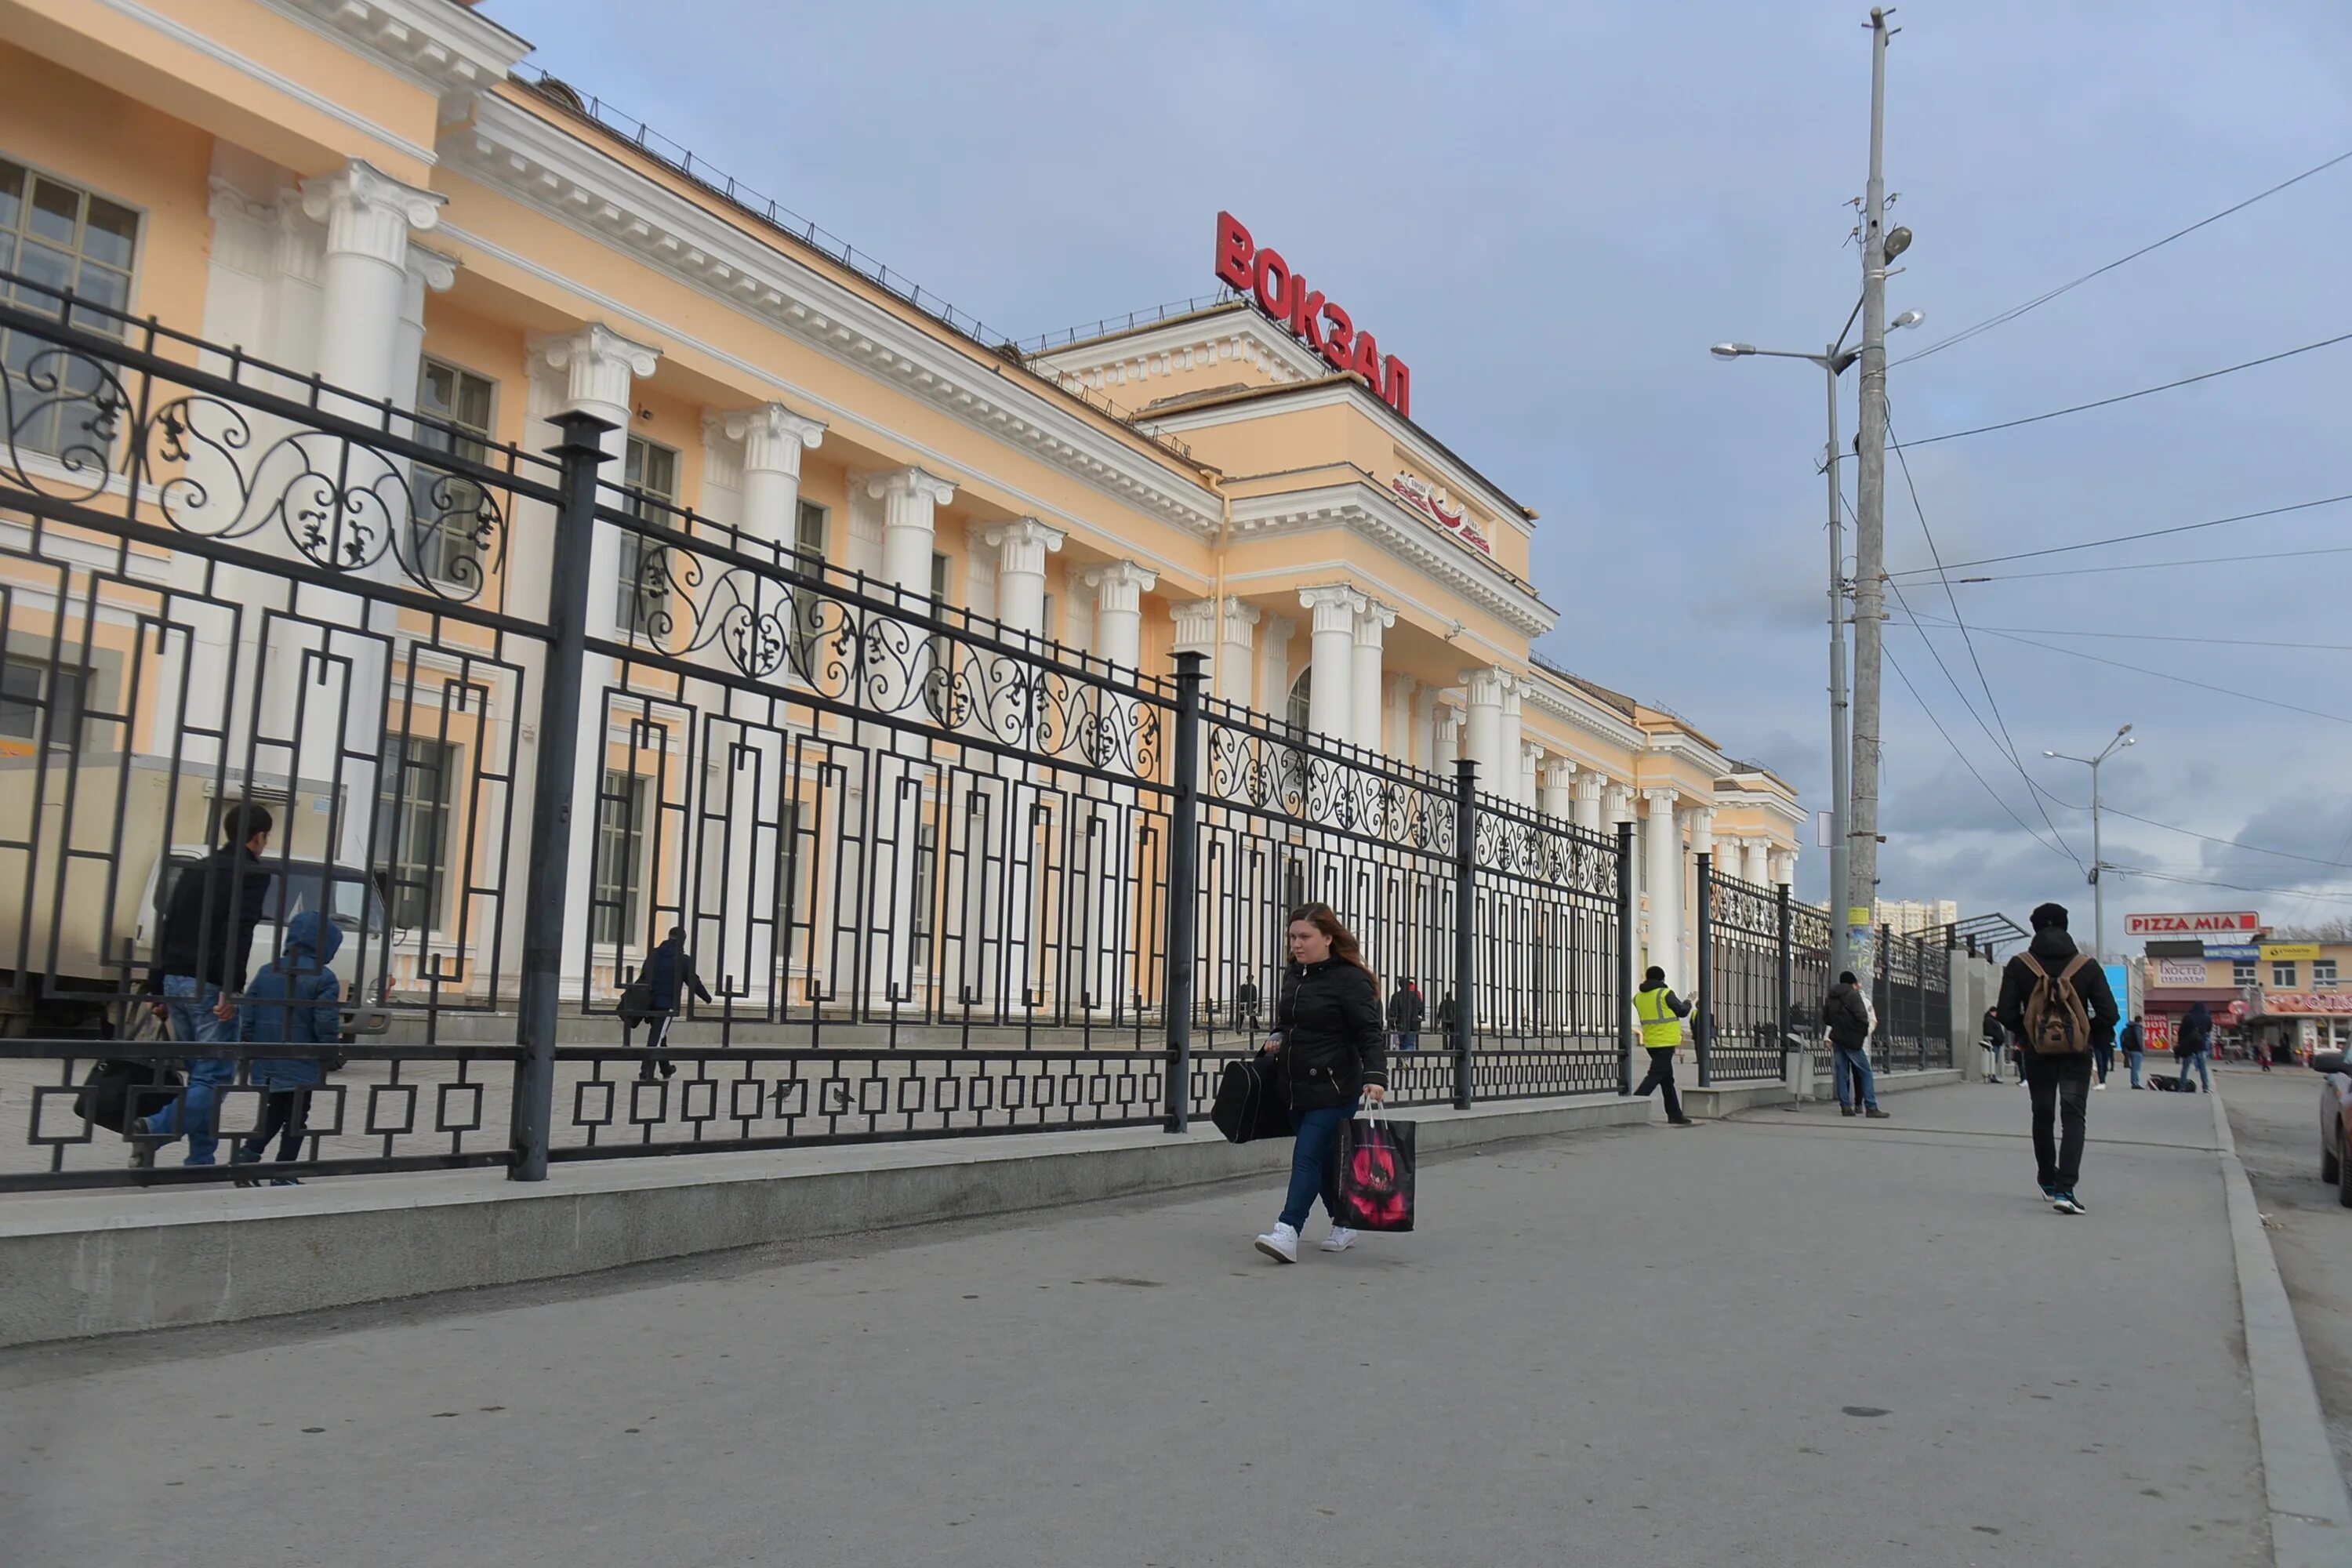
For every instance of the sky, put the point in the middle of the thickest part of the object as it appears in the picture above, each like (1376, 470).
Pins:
(1551, 210)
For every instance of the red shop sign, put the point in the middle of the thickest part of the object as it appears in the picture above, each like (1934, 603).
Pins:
(1322, 324)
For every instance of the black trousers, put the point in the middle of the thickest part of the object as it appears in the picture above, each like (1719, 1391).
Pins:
(657, 1042)
(286, 1112)
(1662, 1076)
(2061, 1088)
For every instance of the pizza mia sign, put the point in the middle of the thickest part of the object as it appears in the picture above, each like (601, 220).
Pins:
(2207, 924)
(1430, 502)
(1259, 272)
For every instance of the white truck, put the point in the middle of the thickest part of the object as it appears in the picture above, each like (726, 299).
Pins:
(90, 845)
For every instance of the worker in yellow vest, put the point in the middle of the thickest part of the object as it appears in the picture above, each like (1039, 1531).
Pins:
(1661, 1014)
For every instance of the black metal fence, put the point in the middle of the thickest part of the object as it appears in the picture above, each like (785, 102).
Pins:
(514, 722)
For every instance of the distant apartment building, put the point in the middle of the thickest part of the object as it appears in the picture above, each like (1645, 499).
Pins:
(1915, 917)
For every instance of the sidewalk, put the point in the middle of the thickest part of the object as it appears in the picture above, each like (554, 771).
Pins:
(1786, 1339)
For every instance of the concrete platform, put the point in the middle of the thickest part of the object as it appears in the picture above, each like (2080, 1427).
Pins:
(83, 1264)
(1730, 1100)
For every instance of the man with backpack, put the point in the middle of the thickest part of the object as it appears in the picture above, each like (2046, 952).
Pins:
(2056, 1001)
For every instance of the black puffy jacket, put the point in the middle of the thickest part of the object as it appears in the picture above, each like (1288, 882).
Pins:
(1332, 1040)
(1846, 1017)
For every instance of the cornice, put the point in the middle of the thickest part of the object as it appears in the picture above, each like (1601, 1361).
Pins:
(1362, 509)
(537, 162)
(1676, 743)
(448, 49)
(1182, 343)
(1574, 709)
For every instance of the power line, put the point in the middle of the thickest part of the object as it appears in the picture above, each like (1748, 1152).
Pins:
(1896, 666)
(2230, 843)
(2240, 695)
(2157, 565)
(2003, 318)
(2128, 538)
(2128, 396)
(2305, 893)
(2034, 791)
(2149, 637)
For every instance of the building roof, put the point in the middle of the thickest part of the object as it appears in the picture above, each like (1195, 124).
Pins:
(1594, 690)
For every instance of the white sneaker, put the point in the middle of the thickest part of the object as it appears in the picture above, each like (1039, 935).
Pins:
(2098, 1086)
(1281, 1244)
(1339, 1240)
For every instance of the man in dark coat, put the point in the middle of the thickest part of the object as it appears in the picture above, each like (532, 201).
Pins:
(668, 976)
(2059, 1082)
(200, 963)
(1405, 1015)
(1847, 1017)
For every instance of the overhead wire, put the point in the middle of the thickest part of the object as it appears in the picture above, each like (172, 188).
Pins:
(2156, 565)
(2229, 843)
(2145, 637)
(2128, 396)
(2126, 538)
(2237, 693)
(1897, 665)
(2003, 318)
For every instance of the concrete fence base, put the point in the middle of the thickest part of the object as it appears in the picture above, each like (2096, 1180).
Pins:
(88, 1263)
(1727, 1099)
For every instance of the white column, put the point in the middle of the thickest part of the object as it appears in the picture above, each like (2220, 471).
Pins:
(1237, 653)
(1371, 622)
(364, 276)
(1758, 869)
(1588, 800)
(598, 365)
(1196, 627)
(1022, 546)
(1559, 788)
(1618, 804)
(1330, 706)
(1446, 738)
(1119, 590)
(1396, 718)
(1701, 820)
(1519, 788)
(1530, 772)
(424, 272)
(1482, 736)
(1423, 754)
(1664, 846)
(1784, 865)
(910, 499)
(1702, 830)
(774, 438)
(1274, 665)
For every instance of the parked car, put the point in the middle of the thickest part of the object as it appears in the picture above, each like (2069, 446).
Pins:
(2335, 1123)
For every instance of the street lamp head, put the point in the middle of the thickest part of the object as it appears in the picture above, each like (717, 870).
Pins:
(1898, 240)
(2125, 730)
(2131, 740)
(1908, 318)
(2049, 753)
(1732, 350)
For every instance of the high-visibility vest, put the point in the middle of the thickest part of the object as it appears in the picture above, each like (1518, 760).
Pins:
(1660, 1027)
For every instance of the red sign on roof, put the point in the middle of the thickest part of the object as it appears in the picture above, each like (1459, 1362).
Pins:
(1322, 324)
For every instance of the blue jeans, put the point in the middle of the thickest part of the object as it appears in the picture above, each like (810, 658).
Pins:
(1315, 1163)
(191, 1002)
(2131, 1060)
(1853, 1066)
(2201, 1065)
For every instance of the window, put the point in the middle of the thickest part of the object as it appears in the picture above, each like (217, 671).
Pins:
(60, 240)
(2282, 974)
(411, 828)
(620, 850)
(445, 510)
(2242, 972)
(1045, 618)
(1302, 702)
(29, 690)
(938, 680)
(650, 472)
(2323, 974)
(809, 618)
(808, 534)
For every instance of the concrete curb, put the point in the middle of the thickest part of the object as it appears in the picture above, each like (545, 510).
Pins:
(2310, 1513)
(123, 1262)
(1730, 1099)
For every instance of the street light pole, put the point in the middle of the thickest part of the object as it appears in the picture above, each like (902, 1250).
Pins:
(2123, 737)
(1870, 527)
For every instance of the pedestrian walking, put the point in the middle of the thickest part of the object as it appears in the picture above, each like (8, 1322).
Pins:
(1246, 1003)
(1662, 1012)
(2102, 1059)
(294, 1000)
(2133, 1043)
(200, 960)
(1845, 1013)
(1992, 1041)
(2058, 1004)
(667, 976)
(2195, 1050)
(1330, 1053)
(1405, 1015)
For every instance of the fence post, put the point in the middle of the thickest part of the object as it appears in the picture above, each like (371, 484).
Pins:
(548, 870)
(1704, 1011)
(1787, 1025)
(1183, 889)
(1626, 928)
(1465, 914)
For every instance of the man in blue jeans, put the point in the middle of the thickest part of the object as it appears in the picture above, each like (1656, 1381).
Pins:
(1847, 1017)
(200, 962)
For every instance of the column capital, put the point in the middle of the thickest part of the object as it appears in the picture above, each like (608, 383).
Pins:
(1023, 544)
(1196, 625)
(1587, 785)
(598, 364)
(1120, 585)
(1336, 607)
(1661, 798)
(1485, 685)
(1373, 619)
(1702, 827)
(909, 482)
(1277, 630)
(1514, 689)
(1620, 803)
(1403, 685)
(368, 213)
(1240, 614)
(431, 269)
(1559, 773)
(773, 437)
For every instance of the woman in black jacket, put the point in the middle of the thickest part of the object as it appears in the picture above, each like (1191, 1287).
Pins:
(1327, 1030)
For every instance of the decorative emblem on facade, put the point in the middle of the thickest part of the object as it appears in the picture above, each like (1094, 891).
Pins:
(1430, 501)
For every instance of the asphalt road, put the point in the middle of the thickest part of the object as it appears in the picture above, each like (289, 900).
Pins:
(1784, 1340)
(2275, 1117)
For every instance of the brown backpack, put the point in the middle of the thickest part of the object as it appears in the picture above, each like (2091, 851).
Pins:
(2056, 1022)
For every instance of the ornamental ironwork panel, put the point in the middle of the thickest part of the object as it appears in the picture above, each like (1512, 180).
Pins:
(1547, 939)
(1744, 984)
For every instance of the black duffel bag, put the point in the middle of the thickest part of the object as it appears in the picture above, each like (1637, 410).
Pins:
(107, 1094)
(1250, 1104)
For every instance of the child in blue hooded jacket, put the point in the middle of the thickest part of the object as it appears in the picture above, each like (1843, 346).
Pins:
(297, 1000)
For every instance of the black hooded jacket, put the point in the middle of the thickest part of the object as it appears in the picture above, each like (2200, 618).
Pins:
(2053, 949)
(1332, 1040)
